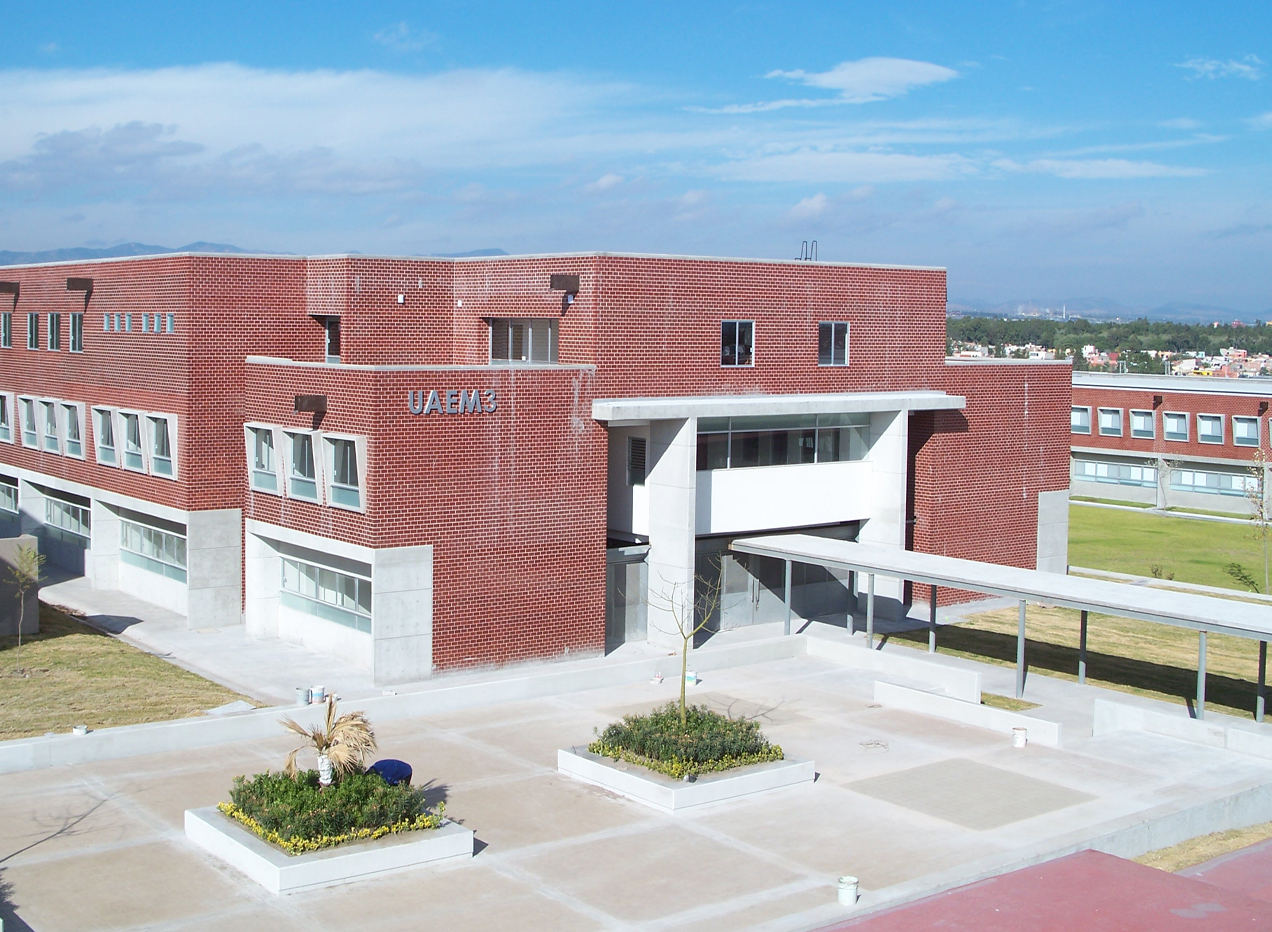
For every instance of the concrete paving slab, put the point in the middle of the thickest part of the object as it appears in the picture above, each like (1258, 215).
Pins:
(63, 820)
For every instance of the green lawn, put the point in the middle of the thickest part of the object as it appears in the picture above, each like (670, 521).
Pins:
(1194, 551)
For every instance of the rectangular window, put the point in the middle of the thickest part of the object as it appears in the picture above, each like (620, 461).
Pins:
(160, 446)
(6, 329)
(1079, 420)
(156, 327)
(74, 430)
(55, 332)
(6, 419)
(1110, 422)
(1209, 428)
(331, 332)
(161, 552)
(784, 440)
(145, 323)
(115, 323)
(33, 331)
(1175, 425)
(68, 517)
(533, 340)
(26, 407)
(1116, 473)
(339, 597)
(1245, 431)
(48, 422)
(104, 430)
(128, 323)
(1142, 425)
(346, 489)
(171, 323)
(737, 342)
(1213, 483)
(264, 465)
(832, 344)
(635, 460)
(8, 494)
(77, 333)
(105, 323)
(302, 478)
(134, 452)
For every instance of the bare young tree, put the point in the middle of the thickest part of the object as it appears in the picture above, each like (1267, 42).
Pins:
(24, 573)
(1256, 495)
(690, 612)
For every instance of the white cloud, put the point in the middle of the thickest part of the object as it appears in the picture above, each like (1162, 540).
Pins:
(1088, 169)
(1262, 121)
(854, 82)
(810, 208)
(605, 182)
(1249, 67)
(1180, 123)
(852, 167)
(400, 37)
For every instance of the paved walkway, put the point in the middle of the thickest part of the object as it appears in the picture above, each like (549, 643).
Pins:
(1247, 871)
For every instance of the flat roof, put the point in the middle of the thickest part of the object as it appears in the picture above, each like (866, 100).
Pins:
(1179, 609)
(658, 409)
(1201, 384)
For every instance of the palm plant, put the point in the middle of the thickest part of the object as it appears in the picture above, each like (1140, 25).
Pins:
(342, 744)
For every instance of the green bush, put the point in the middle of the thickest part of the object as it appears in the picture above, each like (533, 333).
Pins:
(299, 808)
(708, 741)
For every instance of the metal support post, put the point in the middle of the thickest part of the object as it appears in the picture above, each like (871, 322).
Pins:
(788, 598)
(1201, 676)
(870, 610)
(1020, 653)
(1261, 692)
(1082, 632)
(932, 624)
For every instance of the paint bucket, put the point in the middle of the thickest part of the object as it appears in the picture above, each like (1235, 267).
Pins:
(318, 694)
(691, 678)
(302, 695)
(847, 891)
(1019, 737)
(80, 730)
(657, 680)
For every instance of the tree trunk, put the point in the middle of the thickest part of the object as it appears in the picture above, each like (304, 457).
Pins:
(684, 669)
(21, 615)
(325, 772)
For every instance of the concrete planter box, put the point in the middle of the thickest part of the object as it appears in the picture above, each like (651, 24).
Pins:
(671, 795)
(279, 872)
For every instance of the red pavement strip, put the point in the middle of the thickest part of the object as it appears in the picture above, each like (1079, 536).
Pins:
(1247, 871)
(1088, 891)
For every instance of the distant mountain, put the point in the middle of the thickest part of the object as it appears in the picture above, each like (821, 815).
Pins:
(80, 253)
(471, 254)
(1093, 308)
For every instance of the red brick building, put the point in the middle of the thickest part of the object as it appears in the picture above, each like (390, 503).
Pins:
(429, 464)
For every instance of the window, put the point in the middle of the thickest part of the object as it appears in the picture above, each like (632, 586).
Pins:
(152, 549)
(145, 323)
(1116, 473)
(302, 474)
(134, 452)
(48, 420)
(127, 323)
(784, 440)
(6, 418)
(105, 323)
(77, 333)
(27, 408)
(1110, 422)
(339, 597)
(8, 494)
(346, 489)
(156, 327)
(832, 344)
(1142, 425)
(33, 331)
(68, 517)
(1245, 431)
(73, 417)
(104, 423)
(331, 333)
(523, 341)
(1213, 483)
(1080, 420)
(263, 462)
(171, 324)
(115, 325)
(1175, 425)
(636, 460)
(6, 329)
(736, 342)
(1209, 428)
(55, 332)
(160, 446)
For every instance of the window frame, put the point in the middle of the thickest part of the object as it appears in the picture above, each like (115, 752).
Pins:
(55, 331)
(122, 415)
(750, 363)
(42, 423)
(315, 452)
(1072, 429)
(149, 436)
(1216, 418)
(6, 329)
(174, 570)
(33, 330)
(1137, 433)
(250, 431)
(296, 600)
(1121, 426)
(110, 414)
(8, 434)
(553, 326)
(1258, 430)
(637, 443)
(67, 410)
(27, 403)
(6, 483)
(834, 325)
(1166, 434)
(329, 463)
(77, 333)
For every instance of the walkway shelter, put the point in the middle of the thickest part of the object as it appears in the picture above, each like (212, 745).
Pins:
(1181, 610)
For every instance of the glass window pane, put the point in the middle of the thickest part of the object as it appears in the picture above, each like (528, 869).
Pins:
(745, 332)
(825, 342)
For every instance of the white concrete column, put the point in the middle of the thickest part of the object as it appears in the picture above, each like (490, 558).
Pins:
(890, 457)
(102, 560)
(671, 483)
(1053, 531)
(262, 582)
(214, 569)
(402, 614)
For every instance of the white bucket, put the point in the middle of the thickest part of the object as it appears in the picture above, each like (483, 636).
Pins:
(848, 891)
(691, 678)
(1019, 737)
(80, 730)
(302, 695)
(318, 694)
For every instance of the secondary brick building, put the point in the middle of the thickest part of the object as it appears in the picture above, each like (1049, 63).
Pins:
(429, 464)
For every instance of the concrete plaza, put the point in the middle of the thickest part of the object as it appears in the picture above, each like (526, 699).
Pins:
(908, 803)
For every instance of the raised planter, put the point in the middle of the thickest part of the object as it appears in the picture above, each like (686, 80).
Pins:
(279, 872)
(672, 795)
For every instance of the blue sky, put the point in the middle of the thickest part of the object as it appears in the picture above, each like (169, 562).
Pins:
(1044, 150)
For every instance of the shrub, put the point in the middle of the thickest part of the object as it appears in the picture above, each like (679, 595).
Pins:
(708, 741)
(298, 814)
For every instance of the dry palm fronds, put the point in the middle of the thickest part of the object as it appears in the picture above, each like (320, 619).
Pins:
(346, 741)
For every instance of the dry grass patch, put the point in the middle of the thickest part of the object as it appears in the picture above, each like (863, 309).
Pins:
(1010, 703)
(1204, 847)
(79, 676)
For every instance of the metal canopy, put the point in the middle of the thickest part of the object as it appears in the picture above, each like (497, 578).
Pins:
(657, 409)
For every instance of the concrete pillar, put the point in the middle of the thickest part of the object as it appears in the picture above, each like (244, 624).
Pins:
(1053, 531)
(890, 458)
(262, 582)
(30, 508)
(402, 614)
(102, 560)
(214, 569)
(671, 484)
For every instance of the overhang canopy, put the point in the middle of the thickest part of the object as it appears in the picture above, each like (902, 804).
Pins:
(673, 408)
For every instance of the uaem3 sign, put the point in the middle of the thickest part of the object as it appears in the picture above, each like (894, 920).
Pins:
(452, 401)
